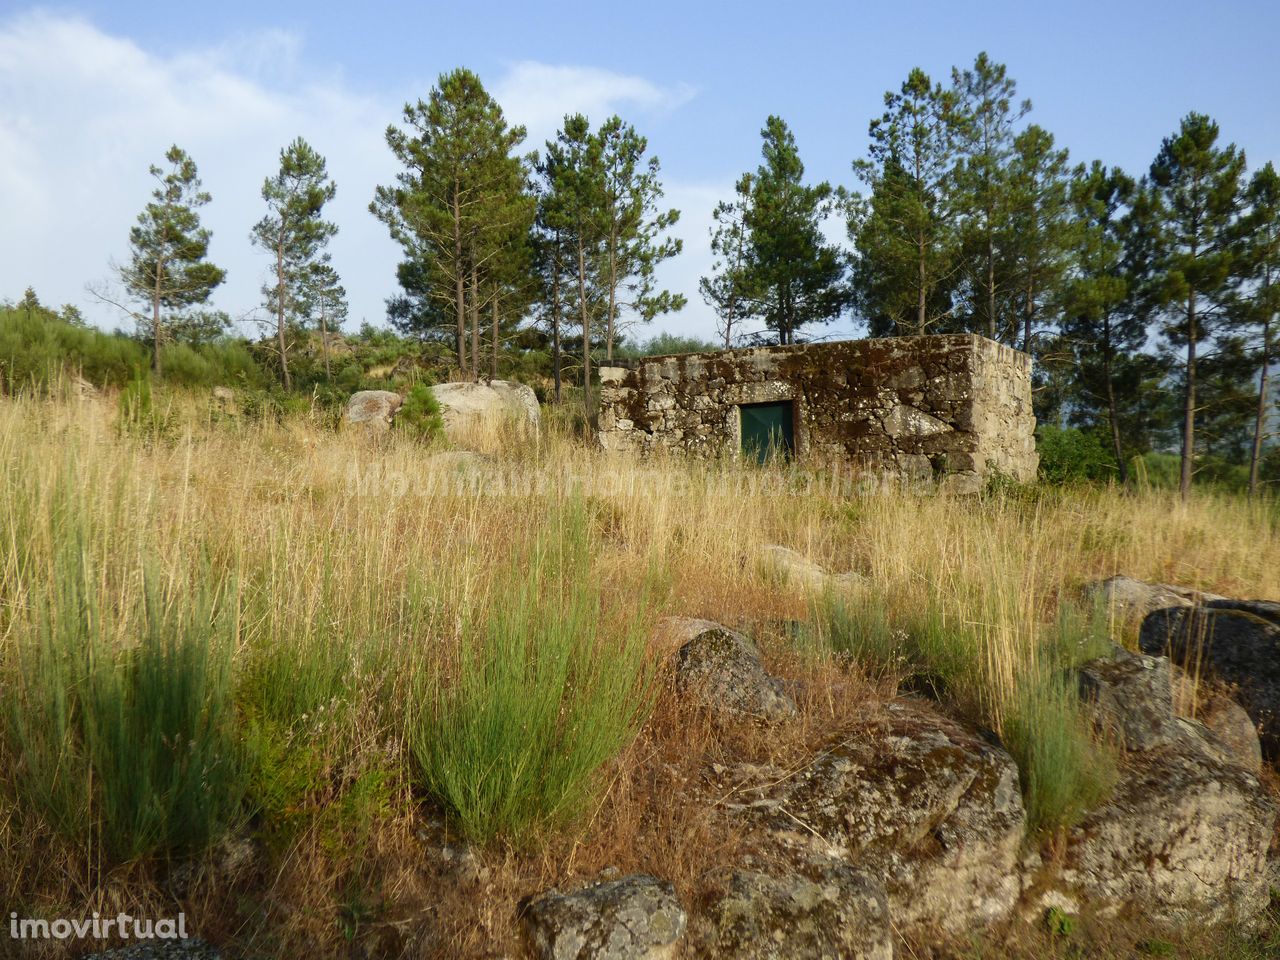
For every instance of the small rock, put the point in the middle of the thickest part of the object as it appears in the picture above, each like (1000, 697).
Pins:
(798, 569)
(372, 409)
(841, 913)
(1131, 695)
(721, 670)
(635, 918)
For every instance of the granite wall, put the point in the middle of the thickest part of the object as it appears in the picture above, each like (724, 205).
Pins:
(955, 408)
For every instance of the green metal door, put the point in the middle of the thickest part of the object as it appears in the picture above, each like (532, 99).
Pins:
(767, 430)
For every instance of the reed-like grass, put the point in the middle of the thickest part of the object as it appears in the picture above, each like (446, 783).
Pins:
(547, 684)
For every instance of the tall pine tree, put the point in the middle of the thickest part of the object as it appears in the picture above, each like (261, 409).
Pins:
(1261, 270)
(905, 234)
(793, 277)
(1196, 187)
(167, 267)
(294, 234)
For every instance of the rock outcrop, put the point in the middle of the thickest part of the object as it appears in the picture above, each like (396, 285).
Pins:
(836, 913)
(1184, 836)
(466, 407)
(634, 918)
(721, 670)
(372, 410)
(1134, 599)
(931, 809)
(1131, 697)
(1234, 641)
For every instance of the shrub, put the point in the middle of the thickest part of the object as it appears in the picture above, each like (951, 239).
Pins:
(1070, 455)
(419, 416)
(36, 347)
(547, 690)
(130, 750)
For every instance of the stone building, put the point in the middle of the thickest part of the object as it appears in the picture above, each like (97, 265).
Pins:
(956, 408)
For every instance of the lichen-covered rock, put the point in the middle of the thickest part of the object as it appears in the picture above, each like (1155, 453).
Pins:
(837, 913)
(634, 918)
(928, 807)
(1236, 641)
(1132, 697)
(1225, 721)
(1183, 839)
(372, 410)
(796, 568)
(721, 669)
(468, 406)
(1130, 598)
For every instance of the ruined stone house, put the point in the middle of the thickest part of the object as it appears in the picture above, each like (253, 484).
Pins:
(955, 408)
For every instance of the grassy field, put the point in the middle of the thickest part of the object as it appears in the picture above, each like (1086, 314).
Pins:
(352, 651)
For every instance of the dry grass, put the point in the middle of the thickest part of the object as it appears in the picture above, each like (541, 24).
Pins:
(356, 563)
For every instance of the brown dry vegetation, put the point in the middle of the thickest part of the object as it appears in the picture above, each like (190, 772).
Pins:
(371, 558)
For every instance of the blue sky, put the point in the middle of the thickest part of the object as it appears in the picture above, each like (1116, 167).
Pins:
(91, 93)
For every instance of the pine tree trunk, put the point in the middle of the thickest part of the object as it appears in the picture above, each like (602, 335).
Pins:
(1113, 412)
(284, 360)
(555, 318)
(493, 373)
(458, 292)
(1260, 421)
(324, 344)
(921, 301)
(155, 320)
(475, 327)
(613, 298)
(991, 284)
(1189, 406)
(586, 331)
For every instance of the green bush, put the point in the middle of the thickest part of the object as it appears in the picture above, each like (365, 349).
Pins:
(420, 414)
(221, 362)
(130, 750)
(36, 347)
(546, 692)
(1070, 455)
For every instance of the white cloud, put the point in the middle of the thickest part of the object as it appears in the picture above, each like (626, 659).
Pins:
(83, 114)
(539, 95)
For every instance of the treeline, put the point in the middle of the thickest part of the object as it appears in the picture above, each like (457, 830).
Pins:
(1148, 299)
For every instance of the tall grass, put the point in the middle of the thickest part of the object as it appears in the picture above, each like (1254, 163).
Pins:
(548, 689)
(127, 749)
(970, 632)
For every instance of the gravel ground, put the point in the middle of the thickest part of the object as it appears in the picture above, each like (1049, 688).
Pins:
(191, 949)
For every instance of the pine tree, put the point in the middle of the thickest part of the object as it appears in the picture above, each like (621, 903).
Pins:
(724, 290)
(633, 230)
(324, 303)
(167, 268)
(985, 117)
(905, 236)
(573, 198)
(793, 276)
(452, 207)
(1104, 337)
(1261, 270)
(1039, 228)
(294, 234)
(1196, 186)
